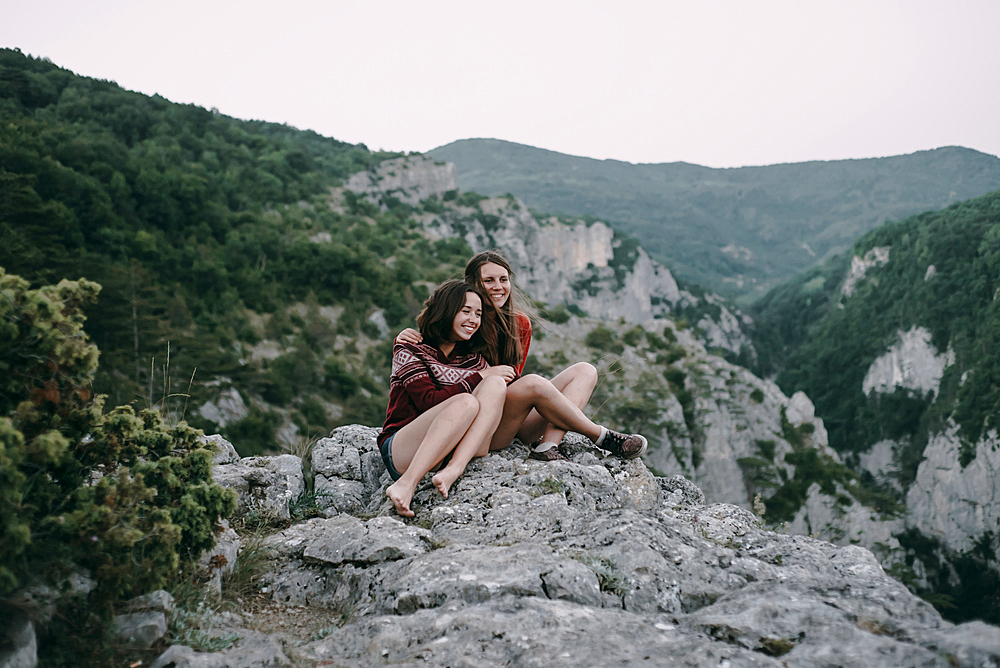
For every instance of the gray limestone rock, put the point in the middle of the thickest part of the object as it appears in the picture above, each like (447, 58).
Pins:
(18, 645)
(263, 484)
(348, 469)
(595, 561)
(253, 650)
(409, 179)
(344, 539)
(40, 601)
(221, 558)
(141, 629)
(157, 601)
(225, 453)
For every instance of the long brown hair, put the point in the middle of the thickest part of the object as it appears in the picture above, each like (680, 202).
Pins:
(435, 320)
(502, 332)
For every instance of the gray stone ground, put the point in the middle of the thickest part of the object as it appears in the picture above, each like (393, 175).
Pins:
(590, 562)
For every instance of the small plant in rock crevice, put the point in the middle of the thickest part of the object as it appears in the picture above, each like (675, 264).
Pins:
(610, 579)
(241, 579)
(548, 486)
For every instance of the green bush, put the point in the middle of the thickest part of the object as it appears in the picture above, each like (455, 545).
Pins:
(255, 434)
(338, 378)
(558, 315)
(675, 377)
(602, 338)
(120, 494)
(633, 336)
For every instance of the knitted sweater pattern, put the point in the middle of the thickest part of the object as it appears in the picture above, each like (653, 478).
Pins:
(421, 378)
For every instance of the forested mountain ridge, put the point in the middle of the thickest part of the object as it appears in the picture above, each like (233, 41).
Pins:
(199, 228)
(738, 231)
(897, 342)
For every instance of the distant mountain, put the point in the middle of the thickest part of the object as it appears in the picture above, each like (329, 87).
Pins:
(739, 231)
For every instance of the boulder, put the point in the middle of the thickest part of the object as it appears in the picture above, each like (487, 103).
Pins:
(225, 453)
(253, 650)
(157, 601)
(140, 629)
(263, 484)
(348, 470)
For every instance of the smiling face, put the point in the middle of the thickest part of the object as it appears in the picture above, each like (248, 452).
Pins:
(496, 283)
(467, 320)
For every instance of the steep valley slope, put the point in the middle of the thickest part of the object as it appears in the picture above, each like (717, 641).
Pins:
(896, 342)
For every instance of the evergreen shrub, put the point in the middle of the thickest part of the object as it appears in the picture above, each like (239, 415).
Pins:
(120, 494)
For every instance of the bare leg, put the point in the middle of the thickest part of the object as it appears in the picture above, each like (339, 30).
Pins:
(533, 391)
(418, 446)
(577, 384)
(490, 393)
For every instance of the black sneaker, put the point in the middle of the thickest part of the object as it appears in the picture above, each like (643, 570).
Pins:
(625, 446)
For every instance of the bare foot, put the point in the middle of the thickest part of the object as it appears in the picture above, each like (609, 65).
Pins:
(400, 499)
(444, 479)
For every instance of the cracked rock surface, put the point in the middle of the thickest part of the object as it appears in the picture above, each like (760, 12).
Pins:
(595, 561)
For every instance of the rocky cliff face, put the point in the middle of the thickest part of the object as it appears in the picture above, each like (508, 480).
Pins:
(594, 561)
(732, 433)
(558, 261)
(409, 179)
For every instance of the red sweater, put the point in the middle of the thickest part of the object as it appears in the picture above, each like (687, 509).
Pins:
(423, 377)
(524, 325)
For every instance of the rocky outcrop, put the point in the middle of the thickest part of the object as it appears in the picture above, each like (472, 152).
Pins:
(875, 257)
(913, 363)
(263, 485)
(707, 419)
(955, 504)
(586, 265)
(409, 179)
(593, 561)
(346, 468)
(228, 407)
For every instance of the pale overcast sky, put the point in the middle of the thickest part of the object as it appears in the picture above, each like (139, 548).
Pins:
(717, 83)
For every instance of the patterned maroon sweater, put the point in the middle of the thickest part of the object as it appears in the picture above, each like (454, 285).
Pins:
(423, 377)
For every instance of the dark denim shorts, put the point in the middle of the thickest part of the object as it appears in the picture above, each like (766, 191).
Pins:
(386, 452)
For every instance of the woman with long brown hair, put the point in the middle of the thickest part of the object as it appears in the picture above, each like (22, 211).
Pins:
(534, 406)
(445, 400)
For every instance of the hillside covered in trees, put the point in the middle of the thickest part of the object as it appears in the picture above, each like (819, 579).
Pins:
(738, 231)
(202, 230)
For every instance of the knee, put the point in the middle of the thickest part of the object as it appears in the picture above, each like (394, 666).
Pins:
(586, 372)
(494, 383)
(531, 385)
(467, 404)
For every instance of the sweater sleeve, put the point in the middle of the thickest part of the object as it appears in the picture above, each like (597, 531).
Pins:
(412, 369)
(524, 325)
